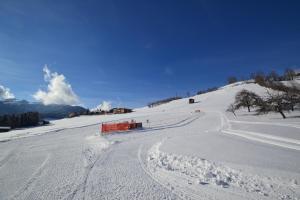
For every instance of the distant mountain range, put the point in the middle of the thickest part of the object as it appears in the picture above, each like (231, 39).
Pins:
(46, 111)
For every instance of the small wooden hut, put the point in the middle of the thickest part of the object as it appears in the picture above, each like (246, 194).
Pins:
(191, 101)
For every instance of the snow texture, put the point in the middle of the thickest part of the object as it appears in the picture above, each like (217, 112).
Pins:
(199, 171)
(179, 154)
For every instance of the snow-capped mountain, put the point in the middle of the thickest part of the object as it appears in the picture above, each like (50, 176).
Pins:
(46, 111)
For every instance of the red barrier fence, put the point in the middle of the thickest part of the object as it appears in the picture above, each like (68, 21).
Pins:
(123, 126)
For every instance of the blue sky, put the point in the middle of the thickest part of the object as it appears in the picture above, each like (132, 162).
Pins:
(133, 52)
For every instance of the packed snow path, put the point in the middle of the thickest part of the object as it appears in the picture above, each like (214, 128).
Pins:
(79, 164)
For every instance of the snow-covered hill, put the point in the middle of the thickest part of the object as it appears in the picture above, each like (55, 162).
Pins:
(180, 154)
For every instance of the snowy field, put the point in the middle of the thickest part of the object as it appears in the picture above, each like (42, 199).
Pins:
(180, 154)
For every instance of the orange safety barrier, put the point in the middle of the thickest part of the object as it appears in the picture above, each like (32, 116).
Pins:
(123, 126)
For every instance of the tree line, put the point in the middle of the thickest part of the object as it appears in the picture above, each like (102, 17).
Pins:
(20, 120)
(211, 89)
(261, 77)
(163, 101)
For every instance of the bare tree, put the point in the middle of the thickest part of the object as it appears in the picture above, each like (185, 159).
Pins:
(259, 78)
(290, 93)
(246, 99)
(289, 74)
(292, 96)
(275, 102)
(273, 76)
(231, 108)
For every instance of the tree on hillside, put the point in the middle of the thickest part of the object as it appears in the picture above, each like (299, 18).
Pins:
(293, 96)
(273, 76)
(231, 108)
(259, 78)
(275, 102)
(232, 79)
(289, 74)
(246, 99)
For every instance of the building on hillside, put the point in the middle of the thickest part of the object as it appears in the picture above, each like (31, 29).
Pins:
(120, 110)
(73, 114)
(191, 101)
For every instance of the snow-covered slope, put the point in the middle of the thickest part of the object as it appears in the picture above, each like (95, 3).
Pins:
(180, 154)
(213, 101)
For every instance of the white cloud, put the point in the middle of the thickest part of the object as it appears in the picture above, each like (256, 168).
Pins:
(58, 90)
(47, 73)
(5, 93)
(104, 106)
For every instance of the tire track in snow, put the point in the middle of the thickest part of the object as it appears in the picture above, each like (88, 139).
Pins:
(31, 181)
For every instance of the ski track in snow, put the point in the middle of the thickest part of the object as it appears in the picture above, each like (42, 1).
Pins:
(29, 185)
(266, 123)
(187, 175)
(258, 137)
(7, 157)
(80, 191)
(91, 154)
(263, 138)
